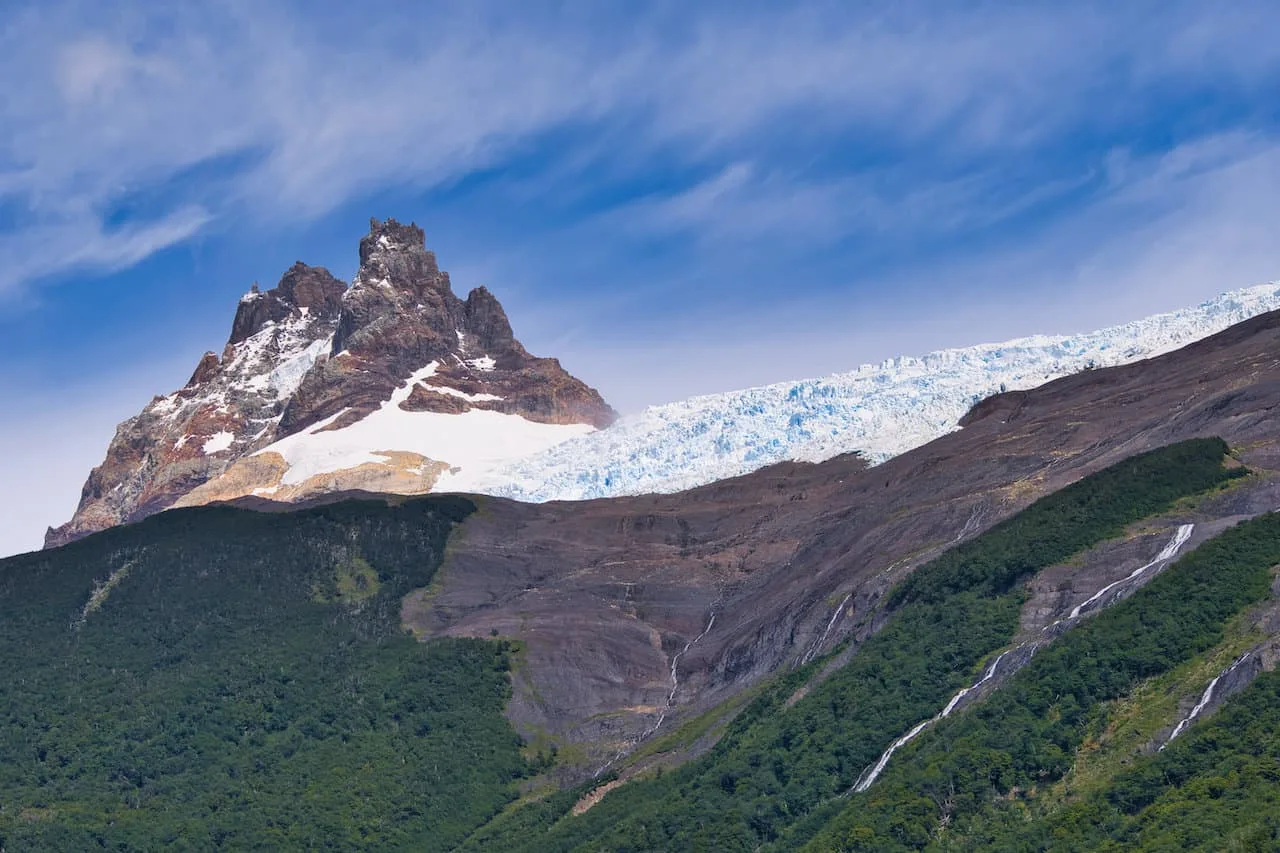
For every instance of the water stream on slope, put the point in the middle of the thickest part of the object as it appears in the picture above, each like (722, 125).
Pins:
(1170, 550)
(1205, 698)
(813, 650)
(1179, 539)
(869, 775)
(671, 698)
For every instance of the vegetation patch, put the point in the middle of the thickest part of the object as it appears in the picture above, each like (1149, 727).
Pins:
(101, 590)
(1125, 728)
(351, 582)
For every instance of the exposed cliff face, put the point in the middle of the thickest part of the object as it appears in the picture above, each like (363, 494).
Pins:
(314, 356)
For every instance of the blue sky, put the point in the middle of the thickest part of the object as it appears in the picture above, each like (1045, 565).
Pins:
(673, 198)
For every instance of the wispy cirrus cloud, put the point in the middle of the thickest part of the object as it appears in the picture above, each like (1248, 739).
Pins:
(301, 112)
(84, 242)
(1178, 227)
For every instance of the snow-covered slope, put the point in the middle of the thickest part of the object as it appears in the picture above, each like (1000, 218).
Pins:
(877, 410)
(397, 385)
(465, 446)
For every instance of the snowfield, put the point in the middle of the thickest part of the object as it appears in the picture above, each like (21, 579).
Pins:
(879, 411)
(472, 443)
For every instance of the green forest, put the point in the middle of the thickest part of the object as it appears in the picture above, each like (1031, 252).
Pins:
(1215, 788)
(245, 684)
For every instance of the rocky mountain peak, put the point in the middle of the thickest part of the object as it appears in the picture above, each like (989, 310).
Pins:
(204, 371)
(396, 256)
(375, 365)
(484, 318)
(399, 290)
(313, 288)
(302, 289)
(391, 236)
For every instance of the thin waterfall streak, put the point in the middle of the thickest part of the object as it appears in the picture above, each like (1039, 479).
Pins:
(1205, 698)
(872, 773)
(1167, 553)
(1170, 550)
(813, 650)
(671, 698)
(987, 676)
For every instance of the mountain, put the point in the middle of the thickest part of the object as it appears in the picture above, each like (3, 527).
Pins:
(393, 384)
(218, 679)
(970, 712)
(1054, 628)
(877, 411)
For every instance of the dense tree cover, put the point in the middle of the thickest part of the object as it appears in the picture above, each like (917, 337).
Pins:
(780, 768)
(245, 683)
(1070, 520)
(1025, 736)
(529, 819)
(1215, 788)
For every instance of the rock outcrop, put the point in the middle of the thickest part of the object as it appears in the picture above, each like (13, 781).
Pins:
(400, 315)
(312, 356)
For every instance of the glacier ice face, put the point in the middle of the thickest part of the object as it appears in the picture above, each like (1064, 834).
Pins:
(878, 411)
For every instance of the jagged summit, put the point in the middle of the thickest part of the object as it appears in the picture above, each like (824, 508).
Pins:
(396, 384)
(391, 236)
(302, 290)
(400, 315)
(391, 384)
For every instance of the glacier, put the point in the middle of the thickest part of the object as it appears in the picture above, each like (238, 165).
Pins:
(878, 411)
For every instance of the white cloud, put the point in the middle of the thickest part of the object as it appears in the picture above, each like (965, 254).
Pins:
(94, 69)
(1171, 230)
(322, 109)
(743, 203)
(82, 242)
(288, 113)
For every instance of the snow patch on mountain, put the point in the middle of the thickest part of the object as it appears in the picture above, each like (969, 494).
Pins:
(274, 359)
(472, 443)
(218, 442)
(462, 395)
(878, 411)
(269, 365)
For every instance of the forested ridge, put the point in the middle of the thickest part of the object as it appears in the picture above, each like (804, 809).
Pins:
(1215, 788)
(244, 683)
(971, 770)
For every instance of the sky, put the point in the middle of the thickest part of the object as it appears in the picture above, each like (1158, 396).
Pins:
(672, 197)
